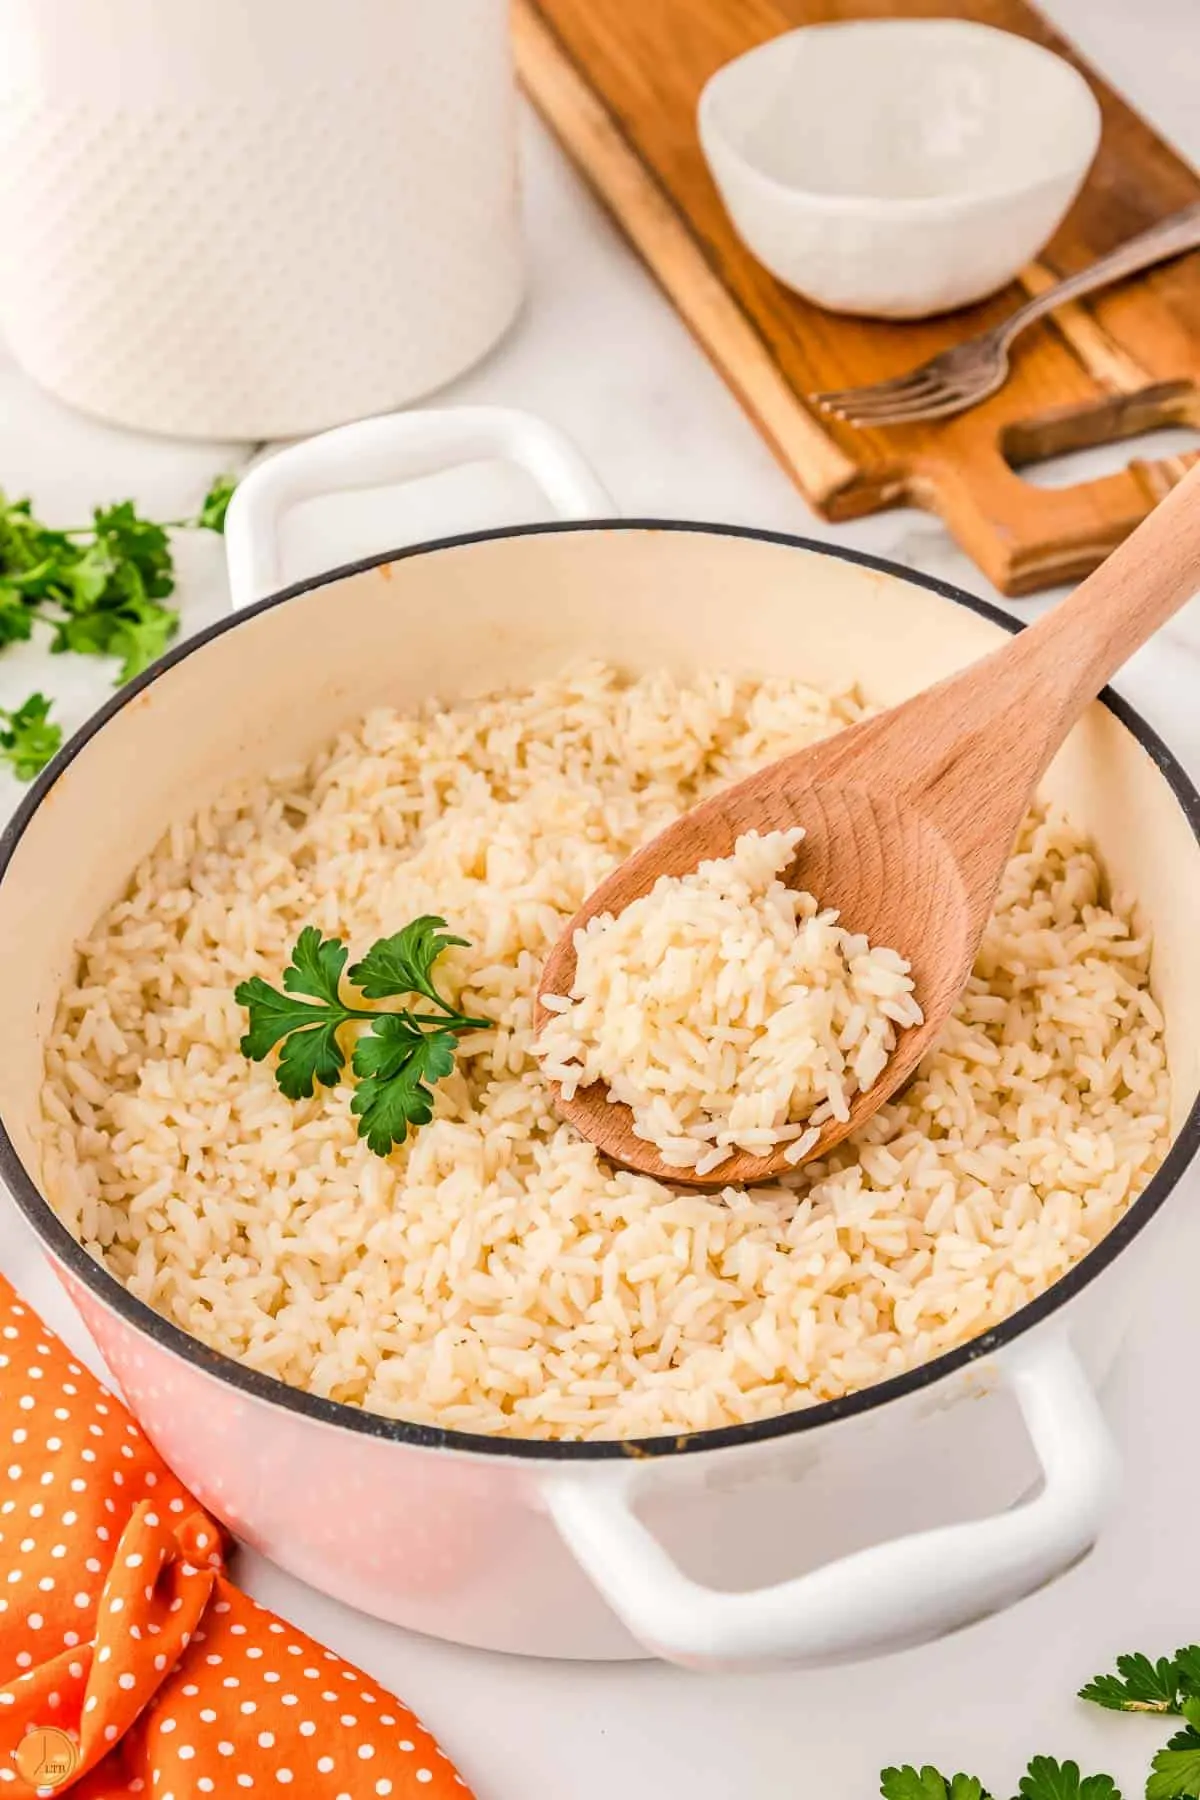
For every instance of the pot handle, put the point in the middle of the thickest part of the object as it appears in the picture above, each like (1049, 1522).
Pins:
(383, 452)
(879, 1599)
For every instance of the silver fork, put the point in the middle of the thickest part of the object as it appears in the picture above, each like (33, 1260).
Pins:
(963, 376)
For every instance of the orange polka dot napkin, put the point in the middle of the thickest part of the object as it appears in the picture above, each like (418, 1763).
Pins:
(129, 1662)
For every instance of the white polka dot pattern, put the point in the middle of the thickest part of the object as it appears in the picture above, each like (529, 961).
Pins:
(138, 1645)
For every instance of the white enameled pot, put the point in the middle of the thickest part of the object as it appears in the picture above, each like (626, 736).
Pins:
(746, 1545)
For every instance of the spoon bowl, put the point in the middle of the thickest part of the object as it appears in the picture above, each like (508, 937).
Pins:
(909, 817)
(885, 867)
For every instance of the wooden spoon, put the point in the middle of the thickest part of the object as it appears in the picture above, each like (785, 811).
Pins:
(910, 816)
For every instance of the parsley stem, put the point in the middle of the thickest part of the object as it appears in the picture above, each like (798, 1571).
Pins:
(29, 577)
(455, 1021)
(75, 531)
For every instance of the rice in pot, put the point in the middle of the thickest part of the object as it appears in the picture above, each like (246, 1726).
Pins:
(495, 1274)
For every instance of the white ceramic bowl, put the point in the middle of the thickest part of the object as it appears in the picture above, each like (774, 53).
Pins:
(897, 167)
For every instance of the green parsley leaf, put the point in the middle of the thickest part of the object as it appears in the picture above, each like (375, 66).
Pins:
(388, 1047)
(308, 1057)
(140, 566)
(215, 504)
(28, 551)
(403, 964)
(1187, 1664)
(142, 637)
(1175, 1771)
(316, 966)
(84, 579)
(311, 1051)
(29, 737)
(138, 632)
(1046, 1779)
(16, 618)
(929, 1783)
(272, 1016)
(1139, 1686)
(395, 1061)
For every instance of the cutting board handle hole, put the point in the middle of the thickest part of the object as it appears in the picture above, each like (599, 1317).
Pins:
(1080, 444)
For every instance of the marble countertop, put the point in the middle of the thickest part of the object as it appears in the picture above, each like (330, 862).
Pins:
(599, 352)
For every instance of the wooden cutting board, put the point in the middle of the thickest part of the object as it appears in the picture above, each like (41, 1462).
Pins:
(618, 81)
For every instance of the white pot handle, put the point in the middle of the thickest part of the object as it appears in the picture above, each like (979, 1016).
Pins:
(385, 451)
(892, 1594)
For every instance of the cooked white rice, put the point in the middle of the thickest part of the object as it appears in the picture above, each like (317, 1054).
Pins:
(495, 1274)
(727, 1010)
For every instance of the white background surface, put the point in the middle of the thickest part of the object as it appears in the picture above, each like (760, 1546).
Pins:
(599, 352)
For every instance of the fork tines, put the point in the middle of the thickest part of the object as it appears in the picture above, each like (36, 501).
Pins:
(923, 394)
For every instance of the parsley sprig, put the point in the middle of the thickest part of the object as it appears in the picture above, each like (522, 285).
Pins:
(1148, 1687)
(401, 1055)
(1169, 1687)
(100, 587)
(29, 737)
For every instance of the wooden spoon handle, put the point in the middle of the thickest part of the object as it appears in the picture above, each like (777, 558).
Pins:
(1086, 638)
(1007, 714)
(971, 750)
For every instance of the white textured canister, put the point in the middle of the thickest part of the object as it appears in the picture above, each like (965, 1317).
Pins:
(254, 220)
